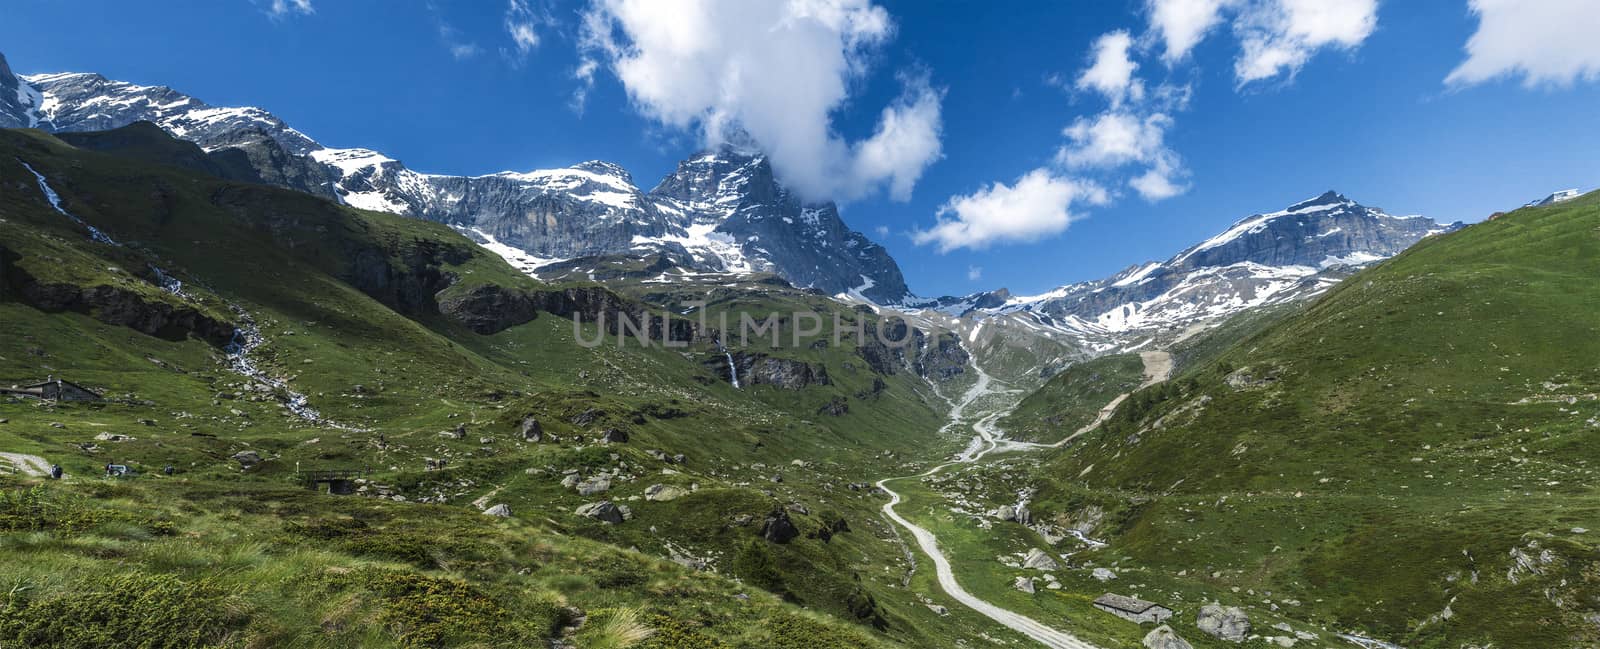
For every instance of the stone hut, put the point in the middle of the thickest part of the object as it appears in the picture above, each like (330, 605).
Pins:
(1132, 609)
(53, 389)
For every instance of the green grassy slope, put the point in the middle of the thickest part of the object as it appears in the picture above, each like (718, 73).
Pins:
(347, 304)
(1389, 458)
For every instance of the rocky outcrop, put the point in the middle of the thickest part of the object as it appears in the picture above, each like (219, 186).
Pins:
(1024, 584)
(111, 305)
(835, 407)
(943, 358)
(761, 369)
(501, 510)
(1225, 623)
(531, 430)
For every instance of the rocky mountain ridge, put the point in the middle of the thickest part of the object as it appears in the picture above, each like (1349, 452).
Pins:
(1261, 260)
(721, 211)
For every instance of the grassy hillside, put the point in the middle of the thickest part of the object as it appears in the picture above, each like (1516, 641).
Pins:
(354, 313)
(1410, 457)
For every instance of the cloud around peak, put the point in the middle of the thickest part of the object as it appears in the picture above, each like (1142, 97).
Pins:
(777, 71)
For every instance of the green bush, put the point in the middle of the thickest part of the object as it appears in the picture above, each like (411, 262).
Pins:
(131, 610)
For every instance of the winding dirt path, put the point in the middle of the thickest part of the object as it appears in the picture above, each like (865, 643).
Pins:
(1157, 368)
(29, 465)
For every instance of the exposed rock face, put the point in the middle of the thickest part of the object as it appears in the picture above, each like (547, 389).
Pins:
(761, 369)
(1226, 623)
(943, 358)
(778, 528)
(19, 101)
(1163, 637)
(1038, 560)
(614, 436)
(721, 210)
(111, 305)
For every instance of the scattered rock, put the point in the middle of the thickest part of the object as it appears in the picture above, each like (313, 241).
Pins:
(1038, 560)
(778, 528)
(1103, 574)
(614, 436)
(502, 510)
(1226, 623)
(664, 493)
(605, 511)
(1163, 637)
(938, 610)
(531, 430)
(595, 485)
(112, 437)
(587, 417)
(836, 407)
(570, 480)
(1024, 584)
(247, 459)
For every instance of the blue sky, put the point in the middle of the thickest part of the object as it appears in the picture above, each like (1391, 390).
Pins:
(912, 111)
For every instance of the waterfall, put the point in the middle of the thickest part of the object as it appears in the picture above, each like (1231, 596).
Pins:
(246, 338)
(169, 283)
(733, 370)
(55, 202)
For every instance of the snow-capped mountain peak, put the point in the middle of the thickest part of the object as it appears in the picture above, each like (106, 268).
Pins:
(721, 210)
(1263, 259)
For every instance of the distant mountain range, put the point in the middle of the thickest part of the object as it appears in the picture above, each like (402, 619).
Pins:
(720, 211)
(724, 211)
(1263, 259)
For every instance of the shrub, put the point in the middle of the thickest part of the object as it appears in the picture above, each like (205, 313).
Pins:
(131, 609)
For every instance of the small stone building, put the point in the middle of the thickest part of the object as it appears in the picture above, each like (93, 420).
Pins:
(53, 389)
(1132, 609)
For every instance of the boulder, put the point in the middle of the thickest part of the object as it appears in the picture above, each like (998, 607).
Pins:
(594, 485)
(1038, 560)
(1226, 623)
(570, 480)
(778, 528)
(247, 459)
(1103, 574)
(605, 511)
(664, 493)
(1163, 637)
(614, 436)
(1024, 584)
(502, 510)
(1004, 513)
(531, 430)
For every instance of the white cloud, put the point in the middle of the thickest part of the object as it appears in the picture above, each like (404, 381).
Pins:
(974, 273)
(464, 51)
(1182, 24)
(1113, 139)
(1112, 72)
(1037, 205)
(1545, 42)
(1163, 180)
(288, 8)
(522, 25)
(776, 70)
(907, 139)
(1279, 36)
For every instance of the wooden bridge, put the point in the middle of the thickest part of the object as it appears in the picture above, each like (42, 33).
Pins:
(341, 482)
